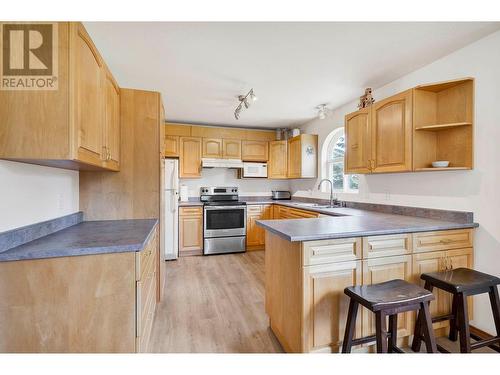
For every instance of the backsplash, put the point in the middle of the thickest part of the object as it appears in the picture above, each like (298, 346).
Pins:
(229, 177)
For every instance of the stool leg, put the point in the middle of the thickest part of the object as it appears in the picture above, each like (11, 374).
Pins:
(495, 307)
(417, 333)
(453, 321)
(463, 323)
(350, 326)
(381, 332)
(393, 330)
(426, 327)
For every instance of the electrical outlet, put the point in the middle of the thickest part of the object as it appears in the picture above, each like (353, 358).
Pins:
(387, 196)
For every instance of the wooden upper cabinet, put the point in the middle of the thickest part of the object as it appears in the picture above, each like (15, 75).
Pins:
(277, 167)
(254, 150)
(391, 134)
(303, 156)
(231, 148)
(111, 122)
(212, 148)
(190, 157)
(358, 147)
(171, 145)
(73, 127)
(88, 97)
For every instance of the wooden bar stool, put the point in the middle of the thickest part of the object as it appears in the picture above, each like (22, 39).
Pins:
(388, 299)
(462, 282)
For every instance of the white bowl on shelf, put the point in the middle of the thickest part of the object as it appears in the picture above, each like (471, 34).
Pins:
(440, 163)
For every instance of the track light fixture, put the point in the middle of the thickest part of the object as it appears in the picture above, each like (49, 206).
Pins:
(245, 101)
(322, 111)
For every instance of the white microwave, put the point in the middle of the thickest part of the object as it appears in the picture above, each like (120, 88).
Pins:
(254, 170)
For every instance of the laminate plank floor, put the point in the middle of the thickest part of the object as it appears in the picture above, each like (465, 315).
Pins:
(214, 304)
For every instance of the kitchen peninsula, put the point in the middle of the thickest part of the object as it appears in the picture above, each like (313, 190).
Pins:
(309, 262)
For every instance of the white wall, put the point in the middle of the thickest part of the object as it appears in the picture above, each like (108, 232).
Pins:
(31, 193)
(476, 190)
(228, 177)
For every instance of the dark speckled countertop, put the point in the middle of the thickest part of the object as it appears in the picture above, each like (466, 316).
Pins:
(86, 238)
(348, 222)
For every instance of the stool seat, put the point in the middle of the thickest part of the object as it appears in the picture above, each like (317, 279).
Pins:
(460, 280)
(385, 295)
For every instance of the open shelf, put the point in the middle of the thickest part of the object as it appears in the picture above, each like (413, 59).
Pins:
(443, 126)
(437, 127)
(441, 169)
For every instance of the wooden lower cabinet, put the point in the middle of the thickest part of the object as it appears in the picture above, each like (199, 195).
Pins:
(384, 269)
(256, 234)
(314, 319)
(438, 261)
(190, 231)
(103, 303)
(324, 284)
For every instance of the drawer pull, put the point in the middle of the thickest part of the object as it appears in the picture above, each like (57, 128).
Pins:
(446, 240)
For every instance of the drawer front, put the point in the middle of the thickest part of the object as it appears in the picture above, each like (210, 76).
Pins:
(383, 246)
(254, 208)
(185, 211)
(331, 251)
(145, 258)
(442, 240)
(302, 213)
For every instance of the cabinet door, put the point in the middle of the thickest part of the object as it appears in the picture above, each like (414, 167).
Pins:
(277, 167)
(324, 297)
(171, 145)
(212, 148)
(462, 258)
(190, 157)
(294, 158)
(384, 269)
(433, 262)
(190, 234)
(358, 147)
(231, 148)
(111, 122)
(254, 150)
(391, 134)
(255, 233)
(88, 97)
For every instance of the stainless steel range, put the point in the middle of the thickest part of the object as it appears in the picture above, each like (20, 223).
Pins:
(224, 220)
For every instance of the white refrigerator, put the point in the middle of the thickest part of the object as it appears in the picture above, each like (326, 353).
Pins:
(171, 217)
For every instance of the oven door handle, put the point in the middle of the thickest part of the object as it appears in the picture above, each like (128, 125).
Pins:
(210, 208)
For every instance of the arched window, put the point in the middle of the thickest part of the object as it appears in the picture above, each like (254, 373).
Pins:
(334, 163)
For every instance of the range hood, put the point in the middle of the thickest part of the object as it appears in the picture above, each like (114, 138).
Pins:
(221, 163)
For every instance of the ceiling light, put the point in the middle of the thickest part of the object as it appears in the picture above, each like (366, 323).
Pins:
(322, 111)
(244, 102)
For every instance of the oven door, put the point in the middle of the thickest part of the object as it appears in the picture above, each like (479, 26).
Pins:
(224, 221)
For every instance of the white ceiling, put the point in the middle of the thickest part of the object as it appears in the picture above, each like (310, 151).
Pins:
(200, 68)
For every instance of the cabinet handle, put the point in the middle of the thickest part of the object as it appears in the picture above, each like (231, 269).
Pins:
(104, 153)
(354, 146)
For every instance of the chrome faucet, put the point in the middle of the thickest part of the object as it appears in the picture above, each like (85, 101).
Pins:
(331, 190)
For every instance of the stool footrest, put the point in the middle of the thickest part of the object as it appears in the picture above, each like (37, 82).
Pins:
(442, 318)
(485, 342)
(373, 338)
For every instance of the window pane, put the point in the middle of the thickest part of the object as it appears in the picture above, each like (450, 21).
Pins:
(353, 182)
(339, 148)
(338, 176)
